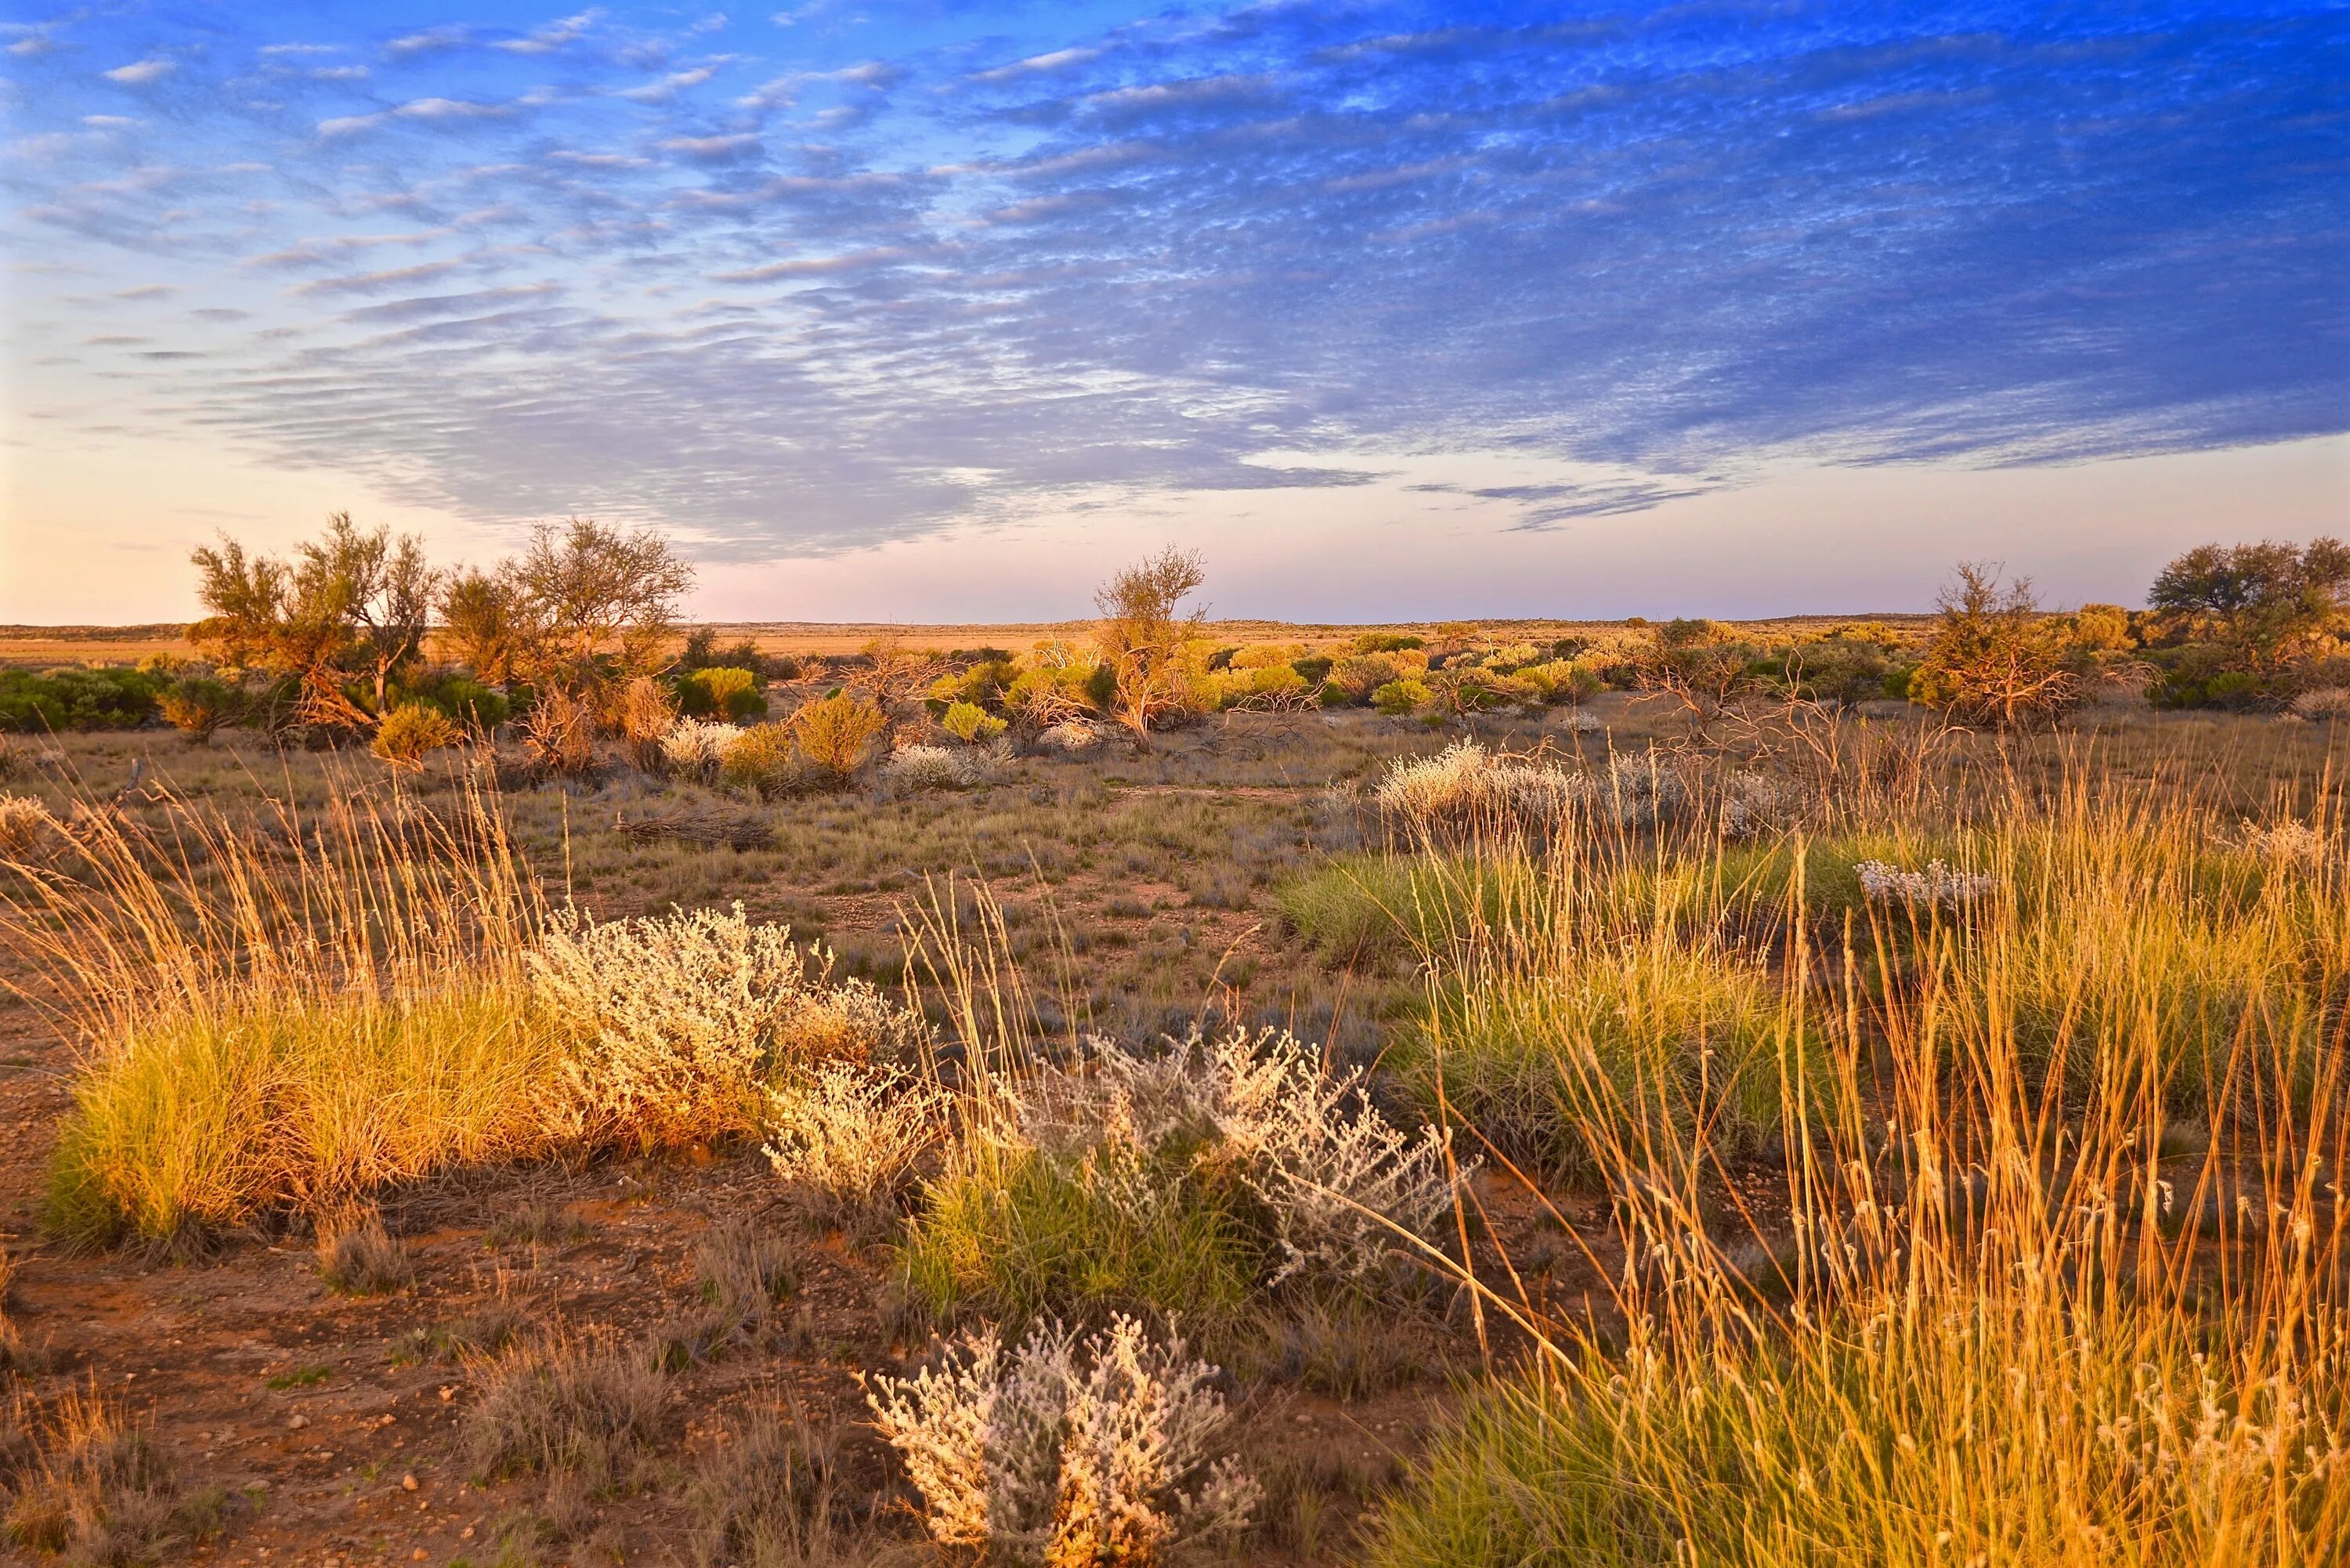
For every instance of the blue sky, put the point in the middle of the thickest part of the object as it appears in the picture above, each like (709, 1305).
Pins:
(934, 308)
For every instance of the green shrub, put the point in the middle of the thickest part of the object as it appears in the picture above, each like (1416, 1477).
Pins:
(104, 697)
(762, 762)
(198, 705)
(410, 731)
(1313, 668)
(722, 692)
(1400, 697)
(969, 722)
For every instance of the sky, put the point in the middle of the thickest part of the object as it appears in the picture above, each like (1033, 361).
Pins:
(940, 310)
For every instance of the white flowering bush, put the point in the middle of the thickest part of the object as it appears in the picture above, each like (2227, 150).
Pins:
(1065, 1452)
(2323, 702)
(1465, 786)
(852, 1132)
(696, 747)
(926, 767)
(24, 824)
(1072, 736)
(1937, 886)
(1335, 1179)
(677, 1021)
(2296, 843)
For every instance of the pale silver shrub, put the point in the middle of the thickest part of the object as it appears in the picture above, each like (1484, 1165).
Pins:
(2323, 702)
(2296, 843)
(1936, 887)
(1072, 736)
(1641, 790)
(1064, 1451)
(925, 767)
(695, 747)
(1753, 804)
(853, 1132)
(24, 824)
(1336, 1178)
(676, 1021)
(1465, 786)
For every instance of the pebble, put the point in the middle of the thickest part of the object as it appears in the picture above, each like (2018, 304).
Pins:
(408, 1483)
(296, 1423)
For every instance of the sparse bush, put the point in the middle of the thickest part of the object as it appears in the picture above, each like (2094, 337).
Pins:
(412, 731)
(836, 733)
(1065, 1452)
(2323, 702)
(643, 715)
(198, 706)
(970, 724)
(853, 1135)
(357, 1257)
(1994, 656)
(677, 1022)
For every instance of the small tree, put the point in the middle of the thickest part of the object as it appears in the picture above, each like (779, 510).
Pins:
(480, 626)
(586, 611)
(1701, 662)
(595, 606)
(2262, 607)
(1143, 634)
(351, 606)
(1994, 658)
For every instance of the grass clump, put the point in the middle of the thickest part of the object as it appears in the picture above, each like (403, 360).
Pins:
(357, 1257)
(193, 1121)
(2010, 1316)
(80, 1480)
(584, 1405)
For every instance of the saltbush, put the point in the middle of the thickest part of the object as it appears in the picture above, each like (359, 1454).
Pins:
(103, 697)
(1065, 1452)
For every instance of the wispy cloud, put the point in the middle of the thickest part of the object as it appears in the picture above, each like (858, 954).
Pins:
(967, 265)
(139, 73)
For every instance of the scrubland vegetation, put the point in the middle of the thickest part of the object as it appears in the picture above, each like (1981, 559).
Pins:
(1653, 1097)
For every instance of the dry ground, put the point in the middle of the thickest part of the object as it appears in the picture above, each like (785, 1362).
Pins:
(330, 1422)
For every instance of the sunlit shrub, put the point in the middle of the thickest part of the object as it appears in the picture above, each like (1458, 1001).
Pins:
(198, 706)
(838, 732)
(412, 731)
(678, 1023)
(970, 724)
(764, 763)
(1065, 1452)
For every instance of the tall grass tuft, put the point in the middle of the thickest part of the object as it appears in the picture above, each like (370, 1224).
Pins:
(287, 1008)
(2011, 1314)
